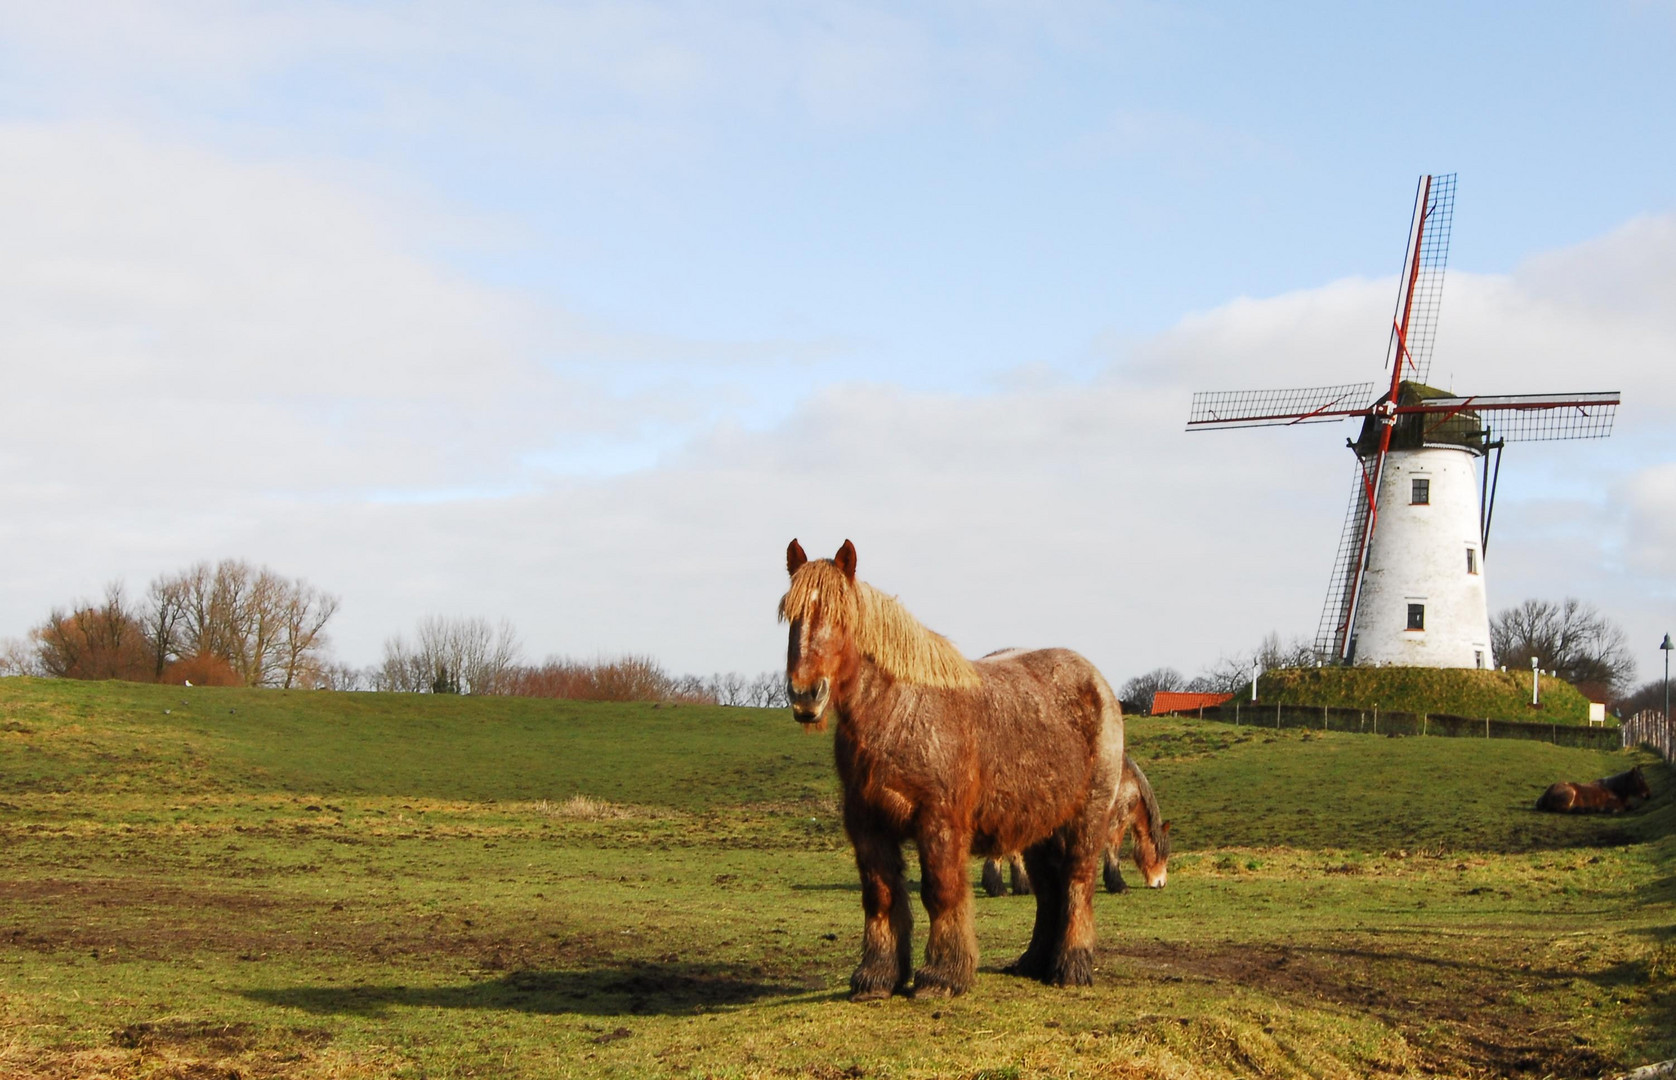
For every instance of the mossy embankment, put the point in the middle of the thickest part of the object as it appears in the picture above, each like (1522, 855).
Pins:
(1499, 695)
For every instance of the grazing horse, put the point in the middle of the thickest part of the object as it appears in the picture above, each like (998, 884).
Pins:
(1609, 794)
(1019, 751)
(1137, 806)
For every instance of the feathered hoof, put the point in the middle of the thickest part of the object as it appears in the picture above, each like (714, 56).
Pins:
(872, 984)
(1074, 968)
(929, 984)
(993, 883)
(1114, 879)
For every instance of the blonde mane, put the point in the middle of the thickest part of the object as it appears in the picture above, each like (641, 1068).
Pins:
(883, 629)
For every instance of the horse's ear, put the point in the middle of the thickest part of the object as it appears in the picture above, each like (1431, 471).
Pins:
(846, 560)
(1165, 830)
(794, 556)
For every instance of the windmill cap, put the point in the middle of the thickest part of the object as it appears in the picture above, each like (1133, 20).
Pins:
(1464, 429)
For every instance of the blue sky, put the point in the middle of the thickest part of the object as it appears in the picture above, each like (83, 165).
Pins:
(532, 294)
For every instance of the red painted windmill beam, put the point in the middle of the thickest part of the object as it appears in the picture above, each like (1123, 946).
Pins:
(1505, 402)
(1275, 418)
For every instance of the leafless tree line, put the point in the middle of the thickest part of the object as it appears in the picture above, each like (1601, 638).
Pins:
(235, 624)
(229, 624)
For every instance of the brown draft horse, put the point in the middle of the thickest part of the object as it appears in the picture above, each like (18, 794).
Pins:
(1137, 806)
(1609, 794)
(1019, 751)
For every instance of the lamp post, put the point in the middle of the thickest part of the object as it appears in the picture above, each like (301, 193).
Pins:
(1666, 647)
(1535, 697)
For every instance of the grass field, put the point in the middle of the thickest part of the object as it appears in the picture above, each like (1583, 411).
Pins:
(215, 883)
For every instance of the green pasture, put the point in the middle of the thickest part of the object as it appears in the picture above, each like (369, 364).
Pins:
(214, 883)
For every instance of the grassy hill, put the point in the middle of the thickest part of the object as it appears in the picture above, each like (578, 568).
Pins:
(1499, 695)
(212, 882)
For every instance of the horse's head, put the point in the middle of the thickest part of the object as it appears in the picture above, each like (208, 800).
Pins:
(1156, 870)
(1638, 784)
(821, 607)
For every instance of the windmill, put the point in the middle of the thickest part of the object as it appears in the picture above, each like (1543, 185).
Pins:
(1407, 584)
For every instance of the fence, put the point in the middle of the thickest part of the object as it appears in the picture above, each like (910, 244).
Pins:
(1649, 728)
(1384, 722)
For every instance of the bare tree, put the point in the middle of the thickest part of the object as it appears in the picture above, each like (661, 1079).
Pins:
(1570, 637)
(1229, 673)
(93, 642)
(163, 615)
(768, 691)
(730, 689)
(268, 628)
(17, 657)
(1139, 691)
(331, 675)
(452, 656)
(304, 613)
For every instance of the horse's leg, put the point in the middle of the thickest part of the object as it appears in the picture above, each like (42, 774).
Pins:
(1021, 876)
(951, 948)
(1045, 880)
(993, 883)
(1114, 872)
(1073, 950)
(887, 936)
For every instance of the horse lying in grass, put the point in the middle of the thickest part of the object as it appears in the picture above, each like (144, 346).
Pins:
(1609, 794)
(1137, 807)
(1019, 751)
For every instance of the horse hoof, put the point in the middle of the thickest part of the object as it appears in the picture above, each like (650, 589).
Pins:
(1075, 968)
(1024, 968)
(870, 995)
(934, 991)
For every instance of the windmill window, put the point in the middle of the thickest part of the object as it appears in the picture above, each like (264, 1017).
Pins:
(1420, 494)
(1417, 616)
(1472, 560)
(1478, 659)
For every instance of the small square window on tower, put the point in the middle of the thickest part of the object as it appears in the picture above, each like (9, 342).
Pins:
(1472, 560)
(1421, 491)
(1417, 616)
(1478, 659)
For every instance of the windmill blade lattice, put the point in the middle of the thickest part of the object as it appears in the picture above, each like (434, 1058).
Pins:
(1420, 291)
(1334, 628)
(1216, 409)
(1532, 417)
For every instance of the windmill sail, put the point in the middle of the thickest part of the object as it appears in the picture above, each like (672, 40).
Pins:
(1529, 417)
(1420, 289)
(1213, 410)
(1332, 633)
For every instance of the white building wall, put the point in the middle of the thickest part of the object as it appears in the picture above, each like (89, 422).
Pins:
(1419, 555)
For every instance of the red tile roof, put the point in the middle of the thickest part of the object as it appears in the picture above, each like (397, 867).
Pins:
(1172, 701)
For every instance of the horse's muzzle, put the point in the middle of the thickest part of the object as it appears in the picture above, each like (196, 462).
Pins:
(807, 705)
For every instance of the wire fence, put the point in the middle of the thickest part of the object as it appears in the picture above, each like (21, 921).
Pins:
(1386, 722)
(1651, 728)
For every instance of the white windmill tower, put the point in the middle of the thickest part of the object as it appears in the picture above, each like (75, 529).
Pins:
(1407, 585)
